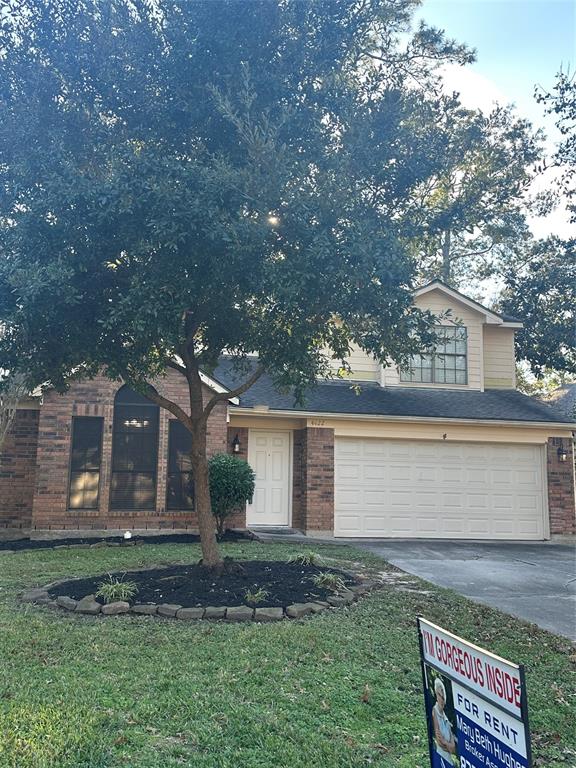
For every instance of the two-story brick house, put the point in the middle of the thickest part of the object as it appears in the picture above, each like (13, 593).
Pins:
(447, 449)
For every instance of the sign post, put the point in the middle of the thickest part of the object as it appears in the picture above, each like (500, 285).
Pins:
(476, 705)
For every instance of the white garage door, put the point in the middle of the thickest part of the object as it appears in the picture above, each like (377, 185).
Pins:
(431, 489)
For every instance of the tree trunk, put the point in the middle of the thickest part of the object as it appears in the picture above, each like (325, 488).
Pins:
(446, 263)
(211, 557)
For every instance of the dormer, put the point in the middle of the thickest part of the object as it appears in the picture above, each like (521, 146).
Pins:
(476, 350)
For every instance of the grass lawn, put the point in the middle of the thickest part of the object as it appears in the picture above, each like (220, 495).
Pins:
(336, 690)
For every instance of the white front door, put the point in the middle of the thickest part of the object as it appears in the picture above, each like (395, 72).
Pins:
(269, 457)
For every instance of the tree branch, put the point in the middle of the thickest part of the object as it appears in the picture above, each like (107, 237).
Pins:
(163, 402)
(218, 398)
(176, 366)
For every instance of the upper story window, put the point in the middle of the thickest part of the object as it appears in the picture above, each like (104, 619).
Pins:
(447, 363)
(134, 451)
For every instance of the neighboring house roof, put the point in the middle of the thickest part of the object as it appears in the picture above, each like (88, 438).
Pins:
(491, 315)
(564, 400)
(411, 402)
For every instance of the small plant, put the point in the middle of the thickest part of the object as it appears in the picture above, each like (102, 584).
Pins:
(116, 589)
(231, 486)
(257, 596)
(306, 558)
(329, 580)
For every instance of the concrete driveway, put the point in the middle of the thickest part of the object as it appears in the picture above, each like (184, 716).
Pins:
(535, 581)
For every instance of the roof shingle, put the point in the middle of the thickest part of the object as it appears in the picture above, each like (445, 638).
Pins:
(341, 397)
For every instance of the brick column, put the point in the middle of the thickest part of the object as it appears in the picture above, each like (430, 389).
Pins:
(561, 502)
(316, 491)
(238, 519)
(298, 512)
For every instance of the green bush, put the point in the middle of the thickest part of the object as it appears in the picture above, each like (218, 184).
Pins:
(231, 486)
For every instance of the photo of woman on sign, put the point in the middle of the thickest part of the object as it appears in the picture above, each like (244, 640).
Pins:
(441, 719)
(443, 734)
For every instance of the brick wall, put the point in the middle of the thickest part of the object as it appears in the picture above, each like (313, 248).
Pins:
(18, 471)
(314, 479)
(561, 501)
(96, 398)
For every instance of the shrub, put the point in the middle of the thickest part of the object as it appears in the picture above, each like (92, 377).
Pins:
(257, 596)
(329, 580)
(231, 486)
(306, 558)
(116, 589)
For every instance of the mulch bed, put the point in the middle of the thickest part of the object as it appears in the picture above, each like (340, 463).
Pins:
(194, 586)
(16, 545)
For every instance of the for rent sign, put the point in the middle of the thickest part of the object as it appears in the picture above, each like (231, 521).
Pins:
(475, 704)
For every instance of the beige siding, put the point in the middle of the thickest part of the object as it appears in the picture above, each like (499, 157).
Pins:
(439, 430)
(499, 368)
(264, 421)
(407, 429)
(439, 303)
(364, 367)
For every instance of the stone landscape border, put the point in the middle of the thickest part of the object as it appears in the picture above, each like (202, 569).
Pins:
(89, 606)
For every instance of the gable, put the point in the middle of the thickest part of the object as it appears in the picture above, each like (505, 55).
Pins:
(452, 297)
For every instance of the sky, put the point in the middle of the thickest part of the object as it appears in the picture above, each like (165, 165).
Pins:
(519, 44)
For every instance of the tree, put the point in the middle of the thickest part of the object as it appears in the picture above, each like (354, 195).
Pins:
(473, 209)
(544, 387)
(561, 102)
(12, 389)
(540, 283)
(181, 178)
(542, 292)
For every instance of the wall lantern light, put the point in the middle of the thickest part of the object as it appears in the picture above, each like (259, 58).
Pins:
(562, 454)
(236, 444)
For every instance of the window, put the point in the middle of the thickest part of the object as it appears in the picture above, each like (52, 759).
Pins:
(85, 459)
(446, 364)
(134, 451)
(180, 486)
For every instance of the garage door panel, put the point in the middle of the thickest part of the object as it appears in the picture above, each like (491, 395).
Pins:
(427, 526)
(350, 524)
(528, 527)
(478, 528)
(400, 451)
(375, 449)
(527, 503)
(379, 472)
(438, 489)
(526, 478)
(423, 500)
(476, 501)
(400, 474)
(478, 475)
(345, 471)
(452, 501)
(426, 474)
(349, 448)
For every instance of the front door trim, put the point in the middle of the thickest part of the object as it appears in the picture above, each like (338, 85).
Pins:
(252, 433)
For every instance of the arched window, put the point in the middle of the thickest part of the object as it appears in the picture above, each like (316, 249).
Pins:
(134, 451)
